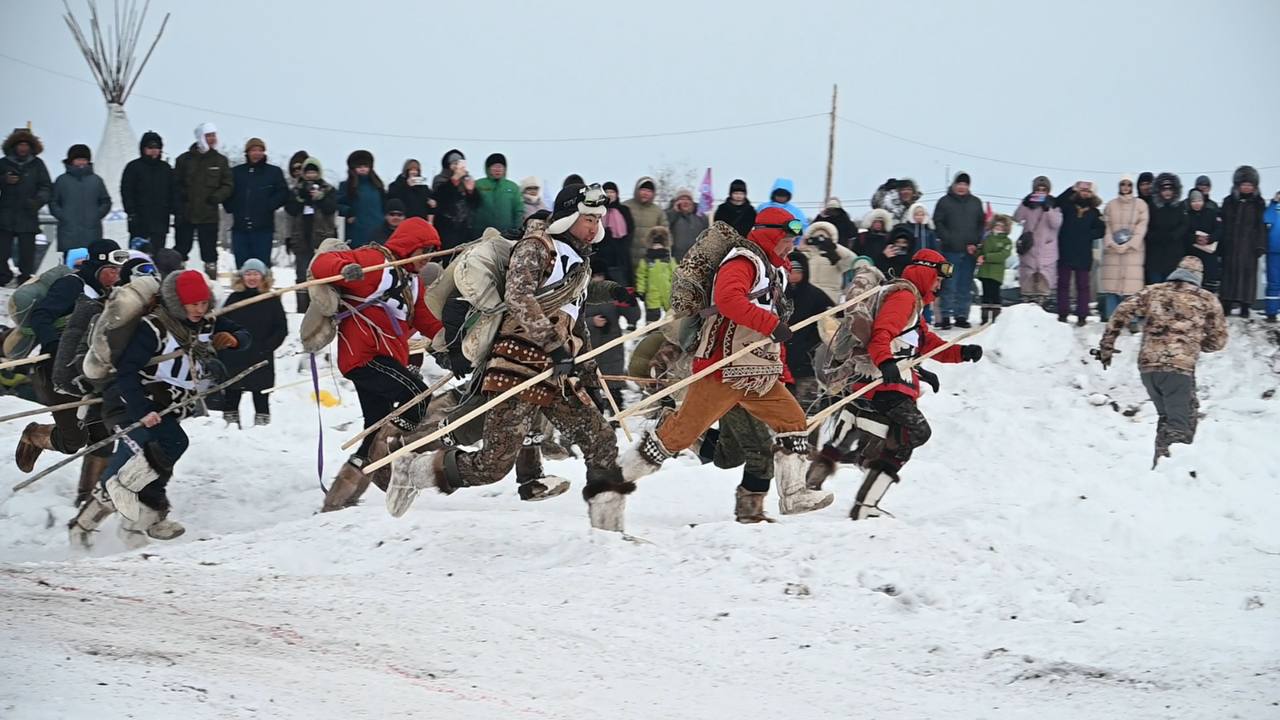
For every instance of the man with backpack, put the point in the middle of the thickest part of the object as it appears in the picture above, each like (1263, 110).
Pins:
(546, 286)
(94, 278)
(135, 480)
(887, 424)
(380, 312)
(748, 305)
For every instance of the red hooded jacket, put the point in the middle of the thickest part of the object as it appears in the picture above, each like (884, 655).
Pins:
(358, 343)
(736, 278)
(895, 313)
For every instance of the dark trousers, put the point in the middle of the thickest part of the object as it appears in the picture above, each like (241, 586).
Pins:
(247, 244)
(155, 242)
(26, 254)
(231, 401)
(383, 385)
(652, 314)
(185, 234)
(990, 292)
(69, 432)
(168, 437)
(1064, 291)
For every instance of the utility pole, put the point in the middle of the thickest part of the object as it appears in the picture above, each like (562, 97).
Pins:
(831, 144)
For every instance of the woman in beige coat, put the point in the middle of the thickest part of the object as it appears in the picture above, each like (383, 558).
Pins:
(1123, 247)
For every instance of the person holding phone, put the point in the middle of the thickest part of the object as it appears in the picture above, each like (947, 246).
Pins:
(414, 191)
(456, 199)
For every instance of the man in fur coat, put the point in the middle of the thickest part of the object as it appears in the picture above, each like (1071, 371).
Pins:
(1244, 240)
(544, 328)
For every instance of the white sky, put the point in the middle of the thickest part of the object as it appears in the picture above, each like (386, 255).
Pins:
(1184, 86)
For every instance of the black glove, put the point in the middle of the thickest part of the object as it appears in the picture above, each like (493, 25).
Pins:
(562, 362)
(622, 295)
(781, 333)
(889, 370)
(971, 353)
(930, 379)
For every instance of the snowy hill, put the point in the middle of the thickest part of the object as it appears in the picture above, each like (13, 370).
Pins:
(1036, 568)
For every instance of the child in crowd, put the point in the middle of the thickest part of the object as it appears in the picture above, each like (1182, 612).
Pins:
(992, 256)
(265, 322)
(655, 274)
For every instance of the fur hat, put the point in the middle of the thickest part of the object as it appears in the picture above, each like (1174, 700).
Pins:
(358, 158)
(1245, 174)
(254, 143)
(19, 136)
(201, 130)
(495, 159)
(911, 213)
(1041, 181)
(738, 185)
(531, 182)
(646, 183)
(310, 163)
(78, 151)
(1000, 219)
(683, 192)
(961, 177)
(821, 227)
(190, 287)
(568, 207)
(1171, 181)
(880, 214)
(1190, 269)
(833, 203)
(660, 235)
(1125, 178)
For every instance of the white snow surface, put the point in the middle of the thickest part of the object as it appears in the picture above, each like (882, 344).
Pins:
(1036, 567)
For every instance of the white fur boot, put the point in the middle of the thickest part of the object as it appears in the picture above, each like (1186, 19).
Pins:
(124, 486)
(645, 458)
(411, 475)
(794, 495)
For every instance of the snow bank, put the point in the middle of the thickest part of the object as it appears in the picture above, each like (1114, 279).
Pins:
(1036, 567)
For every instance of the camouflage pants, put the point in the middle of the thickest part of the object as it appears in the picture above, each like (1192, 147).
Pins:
(1174, 395)
(748, 442)
(506, 426)
(908, 430)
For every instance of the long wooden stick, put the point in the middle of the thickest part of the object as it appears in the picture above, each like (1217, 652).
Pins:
(24, 361)
(671, 389)
(324, 281)
(613, 405)
(50, 408)
(399, 411)
(512, 392)
(830, 410)
(634, 379)
(103, 443)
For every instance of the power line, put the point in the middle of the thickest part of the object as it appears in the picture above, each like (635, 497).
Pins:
(1001, 161)
(370, 133)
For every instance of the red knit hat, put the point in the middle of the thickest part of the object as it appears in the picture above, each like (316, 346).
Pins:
(921, 275)
(192, 288)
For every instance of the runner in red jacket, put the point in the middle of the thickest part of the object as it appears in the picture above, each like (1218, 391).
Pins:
(890, 425)
(381, 310)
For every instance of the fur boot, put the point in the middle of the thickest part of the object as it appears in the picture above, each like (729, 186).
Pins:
(346, 488)
(36, 438)
(91, 468)
(794, 495)
(93, 512)
(416, 472)
(385, 440)
(606, 495)
(124, 486)
(645, 458)
(823, 467)
(534, 484)
(232, 419)
(879, 478)
(748, 507)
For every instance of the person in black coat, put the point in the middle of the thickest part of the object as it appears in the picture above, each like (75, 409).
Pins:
(148, 189)
(1081, 225)
(413, 190)
(258, 190)
(1202, 238)
(807, 301)
(612, 255)
(835, 214)
(25, 187)
(1166, 241)
(737, 210)
(455, 194)
(265, 322)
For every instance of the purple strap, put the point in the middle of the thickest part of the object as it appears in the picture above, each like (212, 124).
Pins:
(395, 324)
(315, 385)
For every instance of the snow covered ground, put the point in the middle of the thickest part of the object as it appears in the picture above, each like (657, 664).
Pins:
(1036, 568)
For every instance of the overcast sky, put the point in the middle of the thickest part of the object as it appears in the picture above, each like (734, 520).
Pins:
(1094, 88)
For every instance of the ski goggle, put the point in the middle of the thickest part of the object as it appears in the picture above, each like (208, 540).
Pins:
(794, 227)
(115, 257)
(146, 269)
(944, 269)
(593, 196)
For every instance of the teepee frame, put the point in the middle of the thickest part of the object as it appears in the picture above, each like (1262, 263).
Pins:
(112, 55)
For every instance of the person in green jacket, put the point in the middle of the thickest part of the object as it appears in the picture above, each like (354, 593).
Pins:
(655, 273)
(992, 256)
(501, 206)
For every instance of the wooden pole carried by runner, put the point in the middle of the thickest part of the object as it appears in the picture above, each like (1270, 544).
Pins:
(325, 281)
(830, 410)
(510, 393)
(90, 401)
(24, 361)
(613, 404)
(672, 389)
(399, 411)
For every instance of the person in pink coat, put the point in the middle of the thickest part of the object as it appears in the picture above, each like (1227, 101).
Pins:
(1038, 265)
